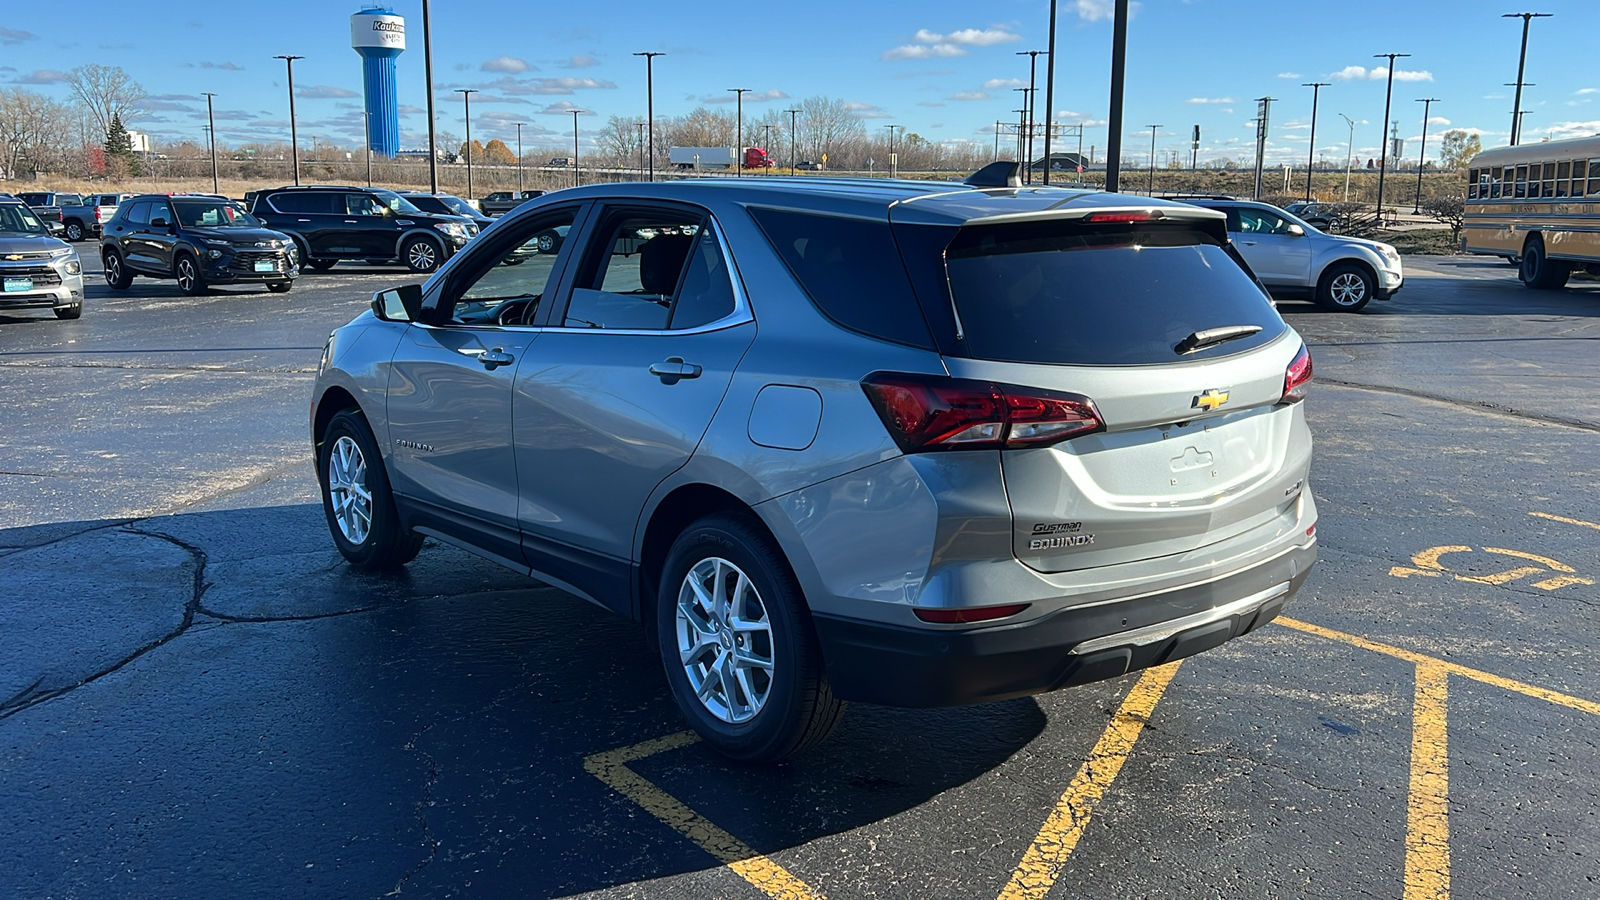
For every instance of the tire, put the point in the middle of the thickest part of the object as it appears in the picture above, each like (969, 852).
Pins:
(280, 287)
(74, 231)
(368, 534)
(117, 275)
(69, 312)
(548, 242)
(322, 265)
(1539, 271)
(1346, 287)
(774, 710)
(422, 255)
(187, 271)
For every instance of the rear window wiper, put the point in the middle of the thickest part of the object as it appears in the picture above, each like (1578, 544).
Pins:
(1211, 337)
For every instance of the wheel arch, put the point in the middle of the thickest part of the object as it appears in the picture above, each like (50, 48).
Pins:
(1530, 239)
(680, 508)
(1353, 259)
(333, 401)
(430, 234)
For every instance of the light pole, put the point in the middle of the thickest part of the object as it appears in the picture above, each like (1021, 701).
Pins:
(767, 141)
(792, 140)
(294, 137)
(1427, 105)
(1348, 154)
(1119, 65)
(1383, 148)
(427, 70)
(894, 165)
(1022, 122)
(1263, 122)
(216, 185)
(577, 171)
(1311, 153)
(1152, 190)
(738, 135)
(1033, 69)
(1522, 61)
(650, 103)
(519, 157)
(640, 126)
(1050, 92)
(466, 115)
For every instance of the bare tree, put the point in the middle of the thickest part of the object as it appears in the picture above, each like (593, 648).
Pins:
(1451, 211)
(107, 93)
(831, 127)
(34, 132)
(619, 141)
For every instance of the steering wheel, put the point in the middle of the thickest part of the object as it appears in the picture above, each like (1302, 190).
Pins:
(520, 311)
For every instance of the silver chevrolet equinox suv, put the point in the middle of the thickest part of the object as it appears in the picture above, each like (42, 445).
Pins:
(905, 443)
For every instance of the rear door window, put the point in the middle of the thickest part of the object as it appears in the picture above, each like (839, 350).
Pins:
(139, 213)
(1063, 293)
(650, 270)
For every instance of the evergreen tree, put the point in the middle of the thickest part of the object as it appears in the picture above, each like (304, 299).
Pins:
(119, 146)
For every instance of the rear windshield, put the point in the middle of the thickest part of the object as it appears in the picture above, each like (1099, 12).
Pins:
(1071, 294)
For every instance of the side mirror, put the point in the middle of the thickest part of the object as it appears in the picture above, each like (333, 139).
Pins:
(57, 228)
(401, 304)
(1296, 230)
(159, 222)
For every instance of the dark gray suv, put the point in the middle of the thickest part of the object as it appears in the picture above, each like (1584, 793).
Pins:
(906, 443)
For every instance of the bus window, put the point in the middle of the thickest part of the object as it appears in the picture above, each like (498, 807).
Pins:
(1563, 178)
(1496, 175)
(1520, 188)
(1594, 177)
(1577, 179)
(1472, 184)
(1549, 180)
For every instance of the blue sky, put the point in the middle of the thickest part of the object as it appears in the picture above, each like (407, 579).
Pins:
(941, 68)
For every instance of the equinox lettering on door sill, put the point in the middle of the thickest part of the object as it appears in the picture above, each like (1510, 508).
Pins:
(1057, 543)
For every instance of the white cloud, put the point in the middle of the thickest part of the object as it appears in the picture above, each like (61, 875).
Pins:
(509, 64)
(997, 83)
(324, 92)
(1402, 75)
(1379, 73)
(1209, 100)
(1349, 73)
(1289, 75)
(1093, 10)
(1561, 130)
(865, 110)
(1438, 120)
(972, 37)
(1588, 91)
(564, 106)
(923, 51)
(579, 62)
(970, 95)
(749, 97)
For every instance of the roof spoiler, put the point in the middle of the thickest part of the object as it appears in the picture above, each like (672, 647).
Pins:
(1002, 174)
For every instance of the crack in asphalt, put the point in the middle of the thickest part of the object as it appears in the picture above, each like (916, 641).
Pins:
(422, 806)
(1483, 406)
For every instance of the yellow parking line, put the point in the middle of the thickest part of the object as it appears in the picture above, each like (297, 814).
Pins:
(611, 767)
(1567, 700)
(1042, 864)
(1427, 873)
(1555, 518)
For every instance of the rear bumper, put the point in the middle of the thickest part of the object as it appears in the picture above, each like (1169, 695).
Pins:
(892, 665)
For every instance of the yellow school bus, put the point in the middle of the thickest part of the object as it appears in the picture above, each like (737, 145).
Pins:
(1538, 204)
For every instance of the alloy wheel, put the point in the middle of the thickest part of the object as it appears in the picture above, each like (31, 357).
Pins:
(1348, 289)
(724, 640)
(113, 269)
(421, 256)
(74, 232)
(186, 275)
(348, 491)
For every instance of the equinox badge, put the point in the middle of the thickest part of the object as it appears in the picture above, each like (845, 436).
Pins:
(1209, 400)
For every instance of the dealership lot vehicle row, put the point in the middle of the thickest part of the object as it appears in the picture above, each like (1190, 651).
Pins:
(1421, 722)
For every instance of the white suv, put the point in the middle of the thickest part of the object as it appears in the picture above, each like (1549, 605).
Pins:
(1295, 259)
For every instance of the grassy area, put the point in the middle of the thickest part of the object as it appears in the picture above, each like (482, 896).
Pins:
(1422, 241)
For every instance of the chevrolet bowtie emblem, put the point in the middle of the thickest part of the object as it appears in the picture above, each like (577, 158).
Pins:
(13, 257)
(1211, 399)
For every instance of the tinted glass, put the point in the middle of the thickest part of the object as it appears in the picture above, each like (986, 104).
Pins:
(361, 205)
(707, 292)
(1594, 177)
(1259, 221)
(395, 202)
(139, 213)
(16, 218)
(1071, 294)
(307, 202)
(851, 269)
(507, 290)
(160, 210)
(632, 286)
(213, 214)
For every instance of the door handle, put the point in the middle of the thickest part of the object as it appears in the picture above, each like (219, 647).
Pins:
(674, 370)
(1248, 243)
(351, 222)
(493, 359)
(302, 220)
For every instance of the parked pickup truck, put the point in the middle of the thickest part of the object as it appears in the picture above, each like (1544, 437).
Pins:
(501, 202)
(80, 215)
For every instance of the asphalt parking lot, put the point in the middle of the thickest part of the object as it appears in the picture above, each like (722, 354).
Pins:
(199, 699)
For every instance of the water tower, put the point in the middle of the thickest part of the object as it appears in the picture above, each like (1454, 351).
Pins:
(380, 37)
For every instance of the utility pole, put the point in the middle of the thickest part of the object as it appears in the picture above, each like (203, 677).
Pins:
(1311, 152)
(1349, 154)
(1033, 72)
(1383, 150)
(1522, 62)
(894, 165)
(577, 170)
(640, 126)
(216, 184)
(1422, 155)
(1152, 190)
(466, 103)
(519, 157)
(1263, 120)
(1022, 122)
(996, 141)
(650, 103)
(294, 137)
(1049, 92)
(792, 140)
(427, 74)
(1194, 150)
(738, 136)
(1119, 65)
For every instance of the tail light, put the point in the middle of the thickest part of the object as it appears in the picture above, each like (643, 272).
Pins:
(97, 214)
(1297, 378)
(928, 412)
(973, 614)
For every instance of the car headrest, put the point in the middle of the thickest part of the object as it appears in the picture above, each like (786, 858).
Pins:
(661, 261)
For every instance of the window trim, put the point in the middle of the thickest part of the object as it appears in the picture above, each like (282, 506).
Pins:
(741, 314)
(446, 277)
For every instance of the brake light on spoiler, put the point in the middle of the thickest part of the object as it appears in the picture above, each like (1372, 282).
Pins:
(927, 413)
